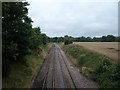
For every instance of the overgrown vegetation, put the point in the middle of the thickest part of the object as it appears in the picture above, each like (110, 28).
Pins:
(68, 40)
(108, 38)
(19, 40)
(95, 66)
(21, 75)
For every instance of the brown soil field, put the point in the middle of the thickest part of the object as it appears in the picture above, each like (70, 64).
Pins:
(109, 49)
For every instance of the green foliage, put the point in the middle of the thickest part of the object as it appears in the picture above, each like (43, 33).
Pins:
(15, 32)
(36, 39)
(105, 73)
(108, 38)
(68, 40)
(44, 39)
(18, 36)
(57, 39)
(21, 75)
(103, 66)
(85, 39)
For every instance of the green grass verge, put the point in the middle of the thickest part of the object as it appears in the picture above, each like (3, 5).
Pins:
(21, 75)
(95, 66)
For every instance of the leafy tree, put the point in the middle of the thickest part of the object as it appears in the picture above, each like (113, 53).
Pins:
(77, 39)
(95, 39)
(82, 39)
(104, 39)
(60, 39)
(19, 38)
(54, 39)
(110, 38)
(68, 39)
(44, 39)
(89, 39)
(16, 29)
(36, 39)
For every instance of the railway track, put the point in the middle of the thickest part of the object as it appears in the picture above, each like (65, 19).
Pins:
(58, 72)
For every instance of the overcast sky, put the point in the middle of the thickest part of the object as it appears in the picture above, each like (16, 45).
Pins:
(75, 17)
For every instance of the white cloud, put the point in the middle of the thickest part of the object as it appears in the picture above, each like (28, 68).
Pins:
(76, 18)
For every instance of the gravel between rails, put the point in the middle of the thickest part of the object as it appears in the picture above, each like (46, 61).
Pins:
(59, 72)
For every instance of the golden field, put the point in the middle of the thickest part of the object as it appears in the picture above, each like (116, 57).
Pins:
(109, 49)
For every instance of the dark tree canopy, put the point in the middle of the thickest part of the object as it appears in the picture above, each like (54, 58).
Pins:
(108, 38)
(19, 38)
(68, 40)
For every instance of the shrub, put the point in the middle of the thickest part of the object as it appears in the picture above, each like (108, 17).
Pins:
(68, 40)
(95, 66)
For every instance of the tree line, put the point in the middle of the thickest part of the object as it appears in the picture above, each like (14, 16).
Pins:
(19, 38)
(69, 39)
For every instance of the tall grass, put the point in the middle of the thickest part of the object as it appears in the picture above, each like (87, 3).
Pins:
(21, 76)
(95, 66)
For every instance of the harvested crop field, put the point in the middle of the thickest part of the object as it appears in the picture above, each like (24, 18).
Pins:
(109, 49)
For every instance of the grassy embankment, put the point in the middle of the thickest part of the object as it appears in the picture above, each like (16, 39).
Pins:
(95, 66)
(21, 76)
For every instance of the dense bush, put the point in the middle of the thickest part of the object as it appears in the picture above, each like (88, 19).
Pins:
(57, 39)
(107, 75)
(108, 38)
(98, 67)
(68, 40)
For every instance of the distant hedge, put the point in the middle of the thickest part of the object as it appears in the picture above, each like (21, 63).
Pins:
(108, 38)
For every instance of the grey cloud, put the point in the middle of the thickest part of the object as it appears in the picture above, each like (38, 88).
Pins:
(75, 18)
